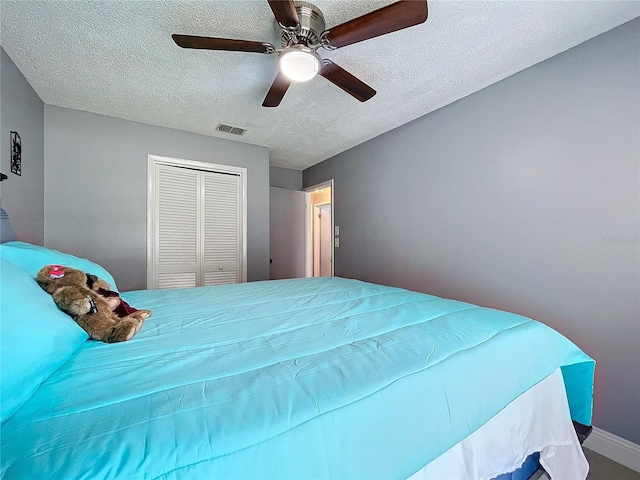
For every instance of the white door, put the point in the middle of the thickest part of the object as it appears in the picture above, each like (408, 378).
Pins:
(176, 228)
(197, 223)
(322, 240)
(286, 233)
(221, 235)
(326, 239)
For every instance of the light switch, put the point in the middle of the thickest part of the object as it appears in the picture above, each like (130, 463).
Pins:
(336, 242)
(337, 229)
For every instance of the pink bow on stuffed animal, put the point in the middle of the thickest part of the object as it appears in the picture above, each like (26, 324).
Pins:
(56, 271)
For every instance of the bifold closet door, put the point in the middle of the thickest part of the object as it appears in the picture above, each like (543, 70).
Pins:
(198, 228)
(221, 237)
(177, 227)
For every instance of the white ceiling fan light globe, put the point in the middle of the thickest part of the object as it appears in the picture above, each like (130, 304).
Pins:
(299, 63)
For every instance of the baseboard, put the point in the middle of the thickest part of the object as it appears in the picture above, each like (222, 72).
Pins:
(615, 448)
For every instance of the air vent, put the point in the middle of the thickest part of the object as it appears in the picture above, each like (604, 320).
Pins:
(229, 129)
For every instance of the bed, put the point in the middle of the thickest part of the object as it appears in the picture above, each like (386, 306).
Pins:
(287, 379)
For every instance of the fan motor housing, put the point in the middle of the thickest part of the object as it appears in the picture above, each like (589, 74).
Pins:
(311, 22)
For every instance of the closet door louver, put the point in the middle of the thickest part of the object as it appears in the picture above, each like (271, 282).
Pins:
(222, 242)
(198, 228)
(177, 227)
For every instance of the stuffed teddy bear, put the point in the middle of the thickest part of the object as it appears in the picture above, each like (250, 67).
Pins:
(104, 316)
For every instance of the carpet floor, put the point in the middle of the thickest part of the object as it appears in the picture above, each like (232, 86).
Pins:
(601, 468)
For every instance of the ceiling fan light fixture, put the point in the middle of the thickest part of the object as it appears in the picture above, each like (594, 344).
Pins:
(299, 63)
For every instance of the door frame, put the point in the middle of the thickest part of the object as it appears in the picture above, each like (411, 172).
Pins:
(309, 223)
(152, 190)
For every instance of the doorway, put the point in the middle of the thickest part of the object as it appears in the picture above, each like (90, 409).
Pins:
(320, 230)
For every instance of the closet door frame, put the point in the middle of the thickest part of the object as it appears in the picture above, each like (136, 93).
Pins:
(152, 241)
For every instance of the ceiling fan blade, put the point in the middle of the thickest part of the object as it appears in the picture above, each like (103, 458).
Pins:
(212, 43)
(277, 90)
(285, 12)
(347, 82)
(394, 17)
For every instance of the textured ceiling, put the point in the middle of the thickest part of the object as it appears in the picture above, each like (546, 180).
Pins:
(117, 58)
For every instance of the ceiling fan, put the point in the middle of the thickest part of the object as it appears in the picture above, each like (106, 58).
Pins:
(303, 33)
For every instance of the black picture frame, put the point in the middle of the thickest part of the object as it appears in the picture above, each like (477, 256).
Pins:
(16, 153)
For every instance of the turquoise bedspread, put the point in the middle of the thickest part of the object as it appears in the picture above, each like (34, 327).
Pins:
(306, 378)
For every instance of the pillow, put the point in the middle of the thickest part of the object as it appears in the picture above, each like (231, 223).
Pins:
(32, 258)
(35, 337)
(6, 232)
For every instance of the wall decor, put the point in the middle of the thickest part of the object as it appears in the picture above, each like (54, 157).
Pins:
(16, 153)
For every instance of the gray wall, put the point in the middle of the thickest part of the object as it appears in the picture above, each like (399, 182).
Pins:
(523, 196)
(285, 178)
(22, 112)
(96, 188)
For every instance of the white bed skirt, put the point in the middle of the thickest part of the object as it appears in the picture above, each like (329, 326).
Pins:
(536, 421)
